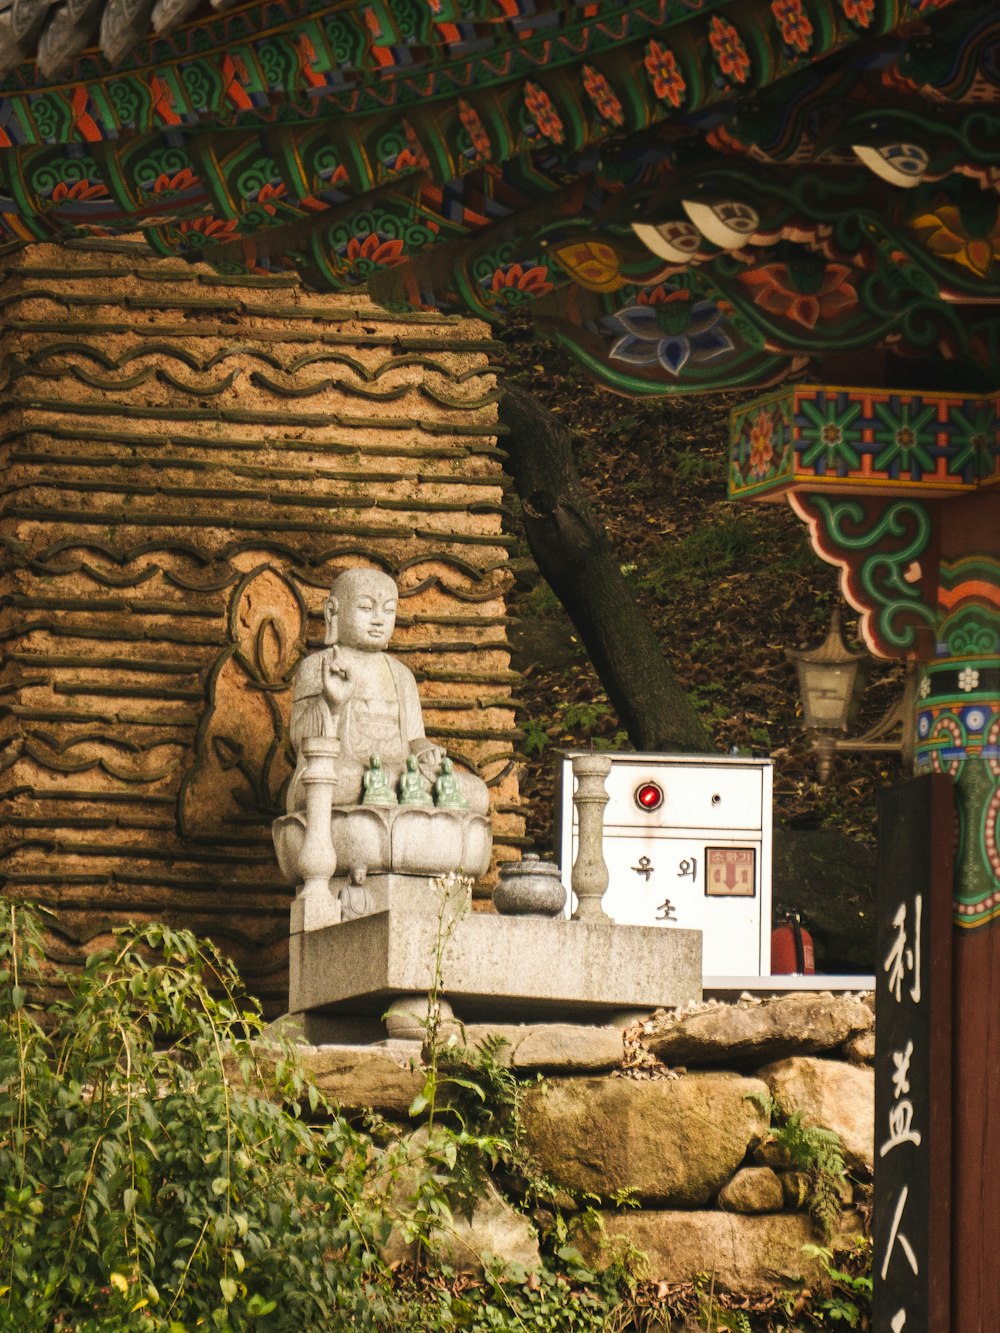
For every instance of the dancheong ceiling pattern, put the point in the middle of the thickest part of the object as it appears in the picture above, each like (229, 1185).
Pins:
(687, 194)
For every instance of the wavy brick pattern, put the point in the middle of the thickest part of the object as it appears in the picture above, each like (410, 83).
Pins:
(187, 462)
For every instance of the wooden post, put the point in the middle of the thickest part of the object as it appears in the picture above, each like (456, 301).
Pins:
(911, 1265)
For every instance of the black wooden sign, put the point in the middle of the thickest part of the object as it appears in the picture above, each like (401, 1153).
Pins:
(911, 1266)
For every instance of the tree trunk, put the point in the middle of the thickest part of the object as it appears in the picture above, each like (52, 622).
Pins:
(571, 549)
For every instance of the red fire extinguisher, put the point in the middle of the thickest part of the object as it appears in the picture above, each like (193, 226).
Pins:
(792, 948)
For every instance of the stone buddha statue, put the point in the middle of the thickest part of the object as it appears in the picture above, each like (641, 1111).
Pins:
(353, 690)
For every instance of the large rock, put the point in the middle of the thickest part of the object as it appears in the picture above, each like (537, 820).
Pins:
(754, 1189)
(493, 1231)
(671, 1141)
(860, 1050)
(831, 1094)
(741, 1034)
(545, 1047)
(742, 1254)
(363, 1078)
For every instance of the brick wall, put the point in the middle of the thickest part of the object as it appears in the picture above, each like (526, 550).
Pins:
(187, 461)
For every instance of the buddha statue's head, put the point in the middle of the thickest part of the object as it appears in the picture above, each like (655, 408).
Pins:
(360, 611)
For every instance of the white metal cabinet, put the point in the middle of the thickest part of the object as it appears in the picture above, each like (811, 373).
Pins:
(700, 858)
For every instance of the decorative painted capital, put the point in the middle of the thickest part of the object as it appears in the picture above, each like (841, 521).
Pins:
(882, 441)
(881, 549)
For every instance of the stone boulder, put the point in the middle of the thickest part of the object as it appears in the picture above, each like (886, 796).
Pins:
(670, 1141)
(363, 1078)
(833, 1095)
(860, 1050)
(742, 1254)
(493, 1230)
(754, 1189)
(544, 1047)
(750, 1033)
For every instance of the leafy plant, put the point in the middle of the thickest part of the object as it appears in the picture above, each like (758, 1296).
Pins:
(818, 1153)
(146, 1183)
(585, 716)
(535, 736)
(849, 1303)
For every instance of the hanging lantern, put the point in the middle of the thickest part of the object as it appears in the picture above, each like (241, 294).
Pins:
(831, 681)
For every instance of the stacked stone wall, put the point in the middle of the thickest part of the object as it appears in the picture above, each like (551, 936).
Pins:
(681, 1160)
(188, 459)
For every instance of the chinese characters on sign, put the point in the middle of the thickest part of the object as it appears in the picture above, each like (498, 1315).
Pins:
(904, 958)
(894, 1125)
(912, 1083)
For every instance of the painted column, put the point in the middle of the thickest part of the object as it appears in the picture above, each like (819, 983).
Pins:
(958, 733)
(900, 491)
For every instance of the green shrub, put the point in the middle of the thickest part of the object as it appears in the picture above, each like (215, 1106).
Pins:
(144, 1185)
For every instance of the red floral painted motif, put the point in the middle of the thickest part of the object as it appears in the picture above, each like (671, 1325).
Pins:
(185, 179)
(603, 96)
(234, 81)
(79, 190)
(517, 283)
(475, 129)
(761, 444)
(859, 11)
(542, 111)
(268, 192)
(386, 252)
(775, 292)
(83, 123)
(796, 30)
(730, 53)
(406, 161)
(306, 53)
(163, 101)
(214, 229)
(416, 148)
(665, 75)
(659, 294)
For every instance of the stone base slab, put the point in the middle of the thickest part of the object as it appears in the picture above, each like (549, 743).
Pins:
(518, 969)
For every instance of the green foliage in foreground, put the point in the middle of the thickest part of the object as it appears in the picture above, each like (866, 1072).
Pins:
(141, 1185)
(144, 1185)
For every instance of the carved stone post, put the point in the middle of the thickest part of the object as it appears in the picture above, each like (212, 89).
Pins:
(315, 906)
(589, 878)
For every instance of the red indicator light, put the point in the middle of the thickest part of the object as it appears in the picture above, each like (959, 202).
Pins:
(649, 796)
